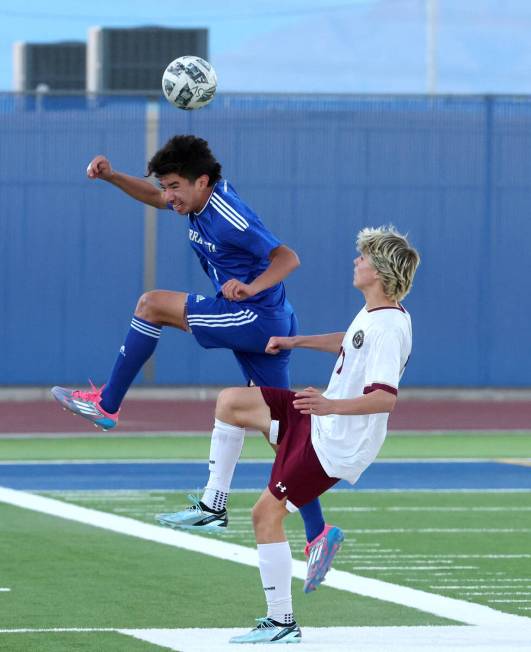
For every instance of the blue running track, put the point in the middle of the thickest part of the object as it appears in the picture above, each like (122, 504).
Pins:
(190, 475)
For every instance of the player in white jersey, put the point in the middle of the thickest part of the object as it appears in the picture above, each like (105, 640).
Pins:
(373, 356)
(325, 437)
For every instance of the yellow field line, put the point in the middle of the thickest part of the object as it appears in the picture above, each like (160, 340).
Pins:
(519, 461)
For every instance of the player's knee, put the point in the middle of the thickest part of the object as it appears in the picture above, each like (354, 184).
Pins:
(148, 306)
(267, 518)
(228, 403)
(260, 517)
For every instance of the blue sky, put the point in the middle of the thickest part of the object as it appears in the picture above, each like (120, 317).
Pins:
(231, 22)
(354, 46)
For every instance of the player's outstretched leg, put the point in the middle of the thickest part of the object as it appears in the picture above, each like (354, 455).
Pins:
(102, 406)
(320, 553)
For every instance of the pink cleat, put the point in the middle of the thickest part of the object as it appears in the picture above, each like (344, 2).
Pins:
(321, 552)
(86, 405)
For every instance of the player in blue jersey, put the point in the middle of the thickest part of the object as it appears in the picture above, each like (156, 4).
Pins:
(246, 264)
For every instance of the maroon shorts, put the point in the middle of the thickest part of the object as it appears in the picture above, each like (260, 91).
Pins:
(297, 473)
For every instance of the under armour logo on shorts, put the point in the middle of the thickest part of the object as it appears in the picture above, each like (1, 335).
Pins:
(281, 486)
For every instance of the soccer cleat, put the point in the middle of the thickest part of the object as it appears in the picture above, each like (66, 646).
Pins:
(197, 517)
(321, 552)
(269, 631)
(86, 405)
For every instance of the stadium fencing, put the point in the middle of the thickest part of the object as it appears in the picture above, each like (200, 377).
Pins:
(452, 171)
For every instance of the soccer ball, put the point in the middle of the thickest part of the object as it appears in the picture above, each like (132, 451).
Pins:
(189, 82)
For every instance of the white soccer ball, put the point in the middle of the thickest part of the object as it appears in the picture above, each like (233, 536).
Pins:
(189, 82)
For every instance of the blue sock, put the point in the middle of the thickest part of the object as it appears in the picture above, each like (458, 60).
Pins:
(138, 347)
(313, 519)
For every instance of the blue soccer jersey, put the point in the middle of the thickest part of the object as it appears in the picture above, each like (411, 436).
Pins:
(231, 241)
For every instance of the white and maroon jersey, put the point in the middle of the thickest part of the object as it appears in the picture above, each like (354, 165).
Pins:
(373, 356)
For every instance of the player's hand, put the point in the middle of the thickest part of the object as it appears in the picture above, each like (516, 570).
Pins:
(311, 401)
(278, 344)
(234, 290)
(99, 168)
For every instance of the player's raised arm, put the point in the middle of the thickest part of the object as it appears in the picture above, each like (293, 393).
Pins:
(100, 168)
(283, 261)
(330, 342)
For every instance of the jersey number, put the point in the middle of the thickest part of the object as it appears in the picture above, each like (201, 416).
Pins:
(342, 356)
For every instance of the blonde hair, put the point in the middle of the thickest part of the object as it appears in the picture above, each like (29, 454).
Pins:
(394, 259)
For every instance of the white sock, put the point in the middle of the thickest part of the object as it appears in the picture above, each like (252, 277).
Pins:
(274, 560)
(225, 449)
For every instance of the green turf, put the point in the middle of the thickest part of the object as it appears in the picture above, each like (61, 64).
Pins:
(74, 641)
(65, 574)
(411, 538)
(403, 445)
(472, 546)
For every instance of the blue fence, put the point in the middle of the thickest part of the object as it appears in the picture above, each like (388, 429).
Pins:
(454, 172)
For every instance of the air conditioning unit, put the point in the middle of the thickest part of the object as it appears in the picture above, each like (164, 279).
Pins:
(134, 59)
(50, 66)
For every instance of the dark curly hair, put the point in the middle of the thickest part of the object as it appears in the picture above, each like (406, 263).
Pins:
(188, 156)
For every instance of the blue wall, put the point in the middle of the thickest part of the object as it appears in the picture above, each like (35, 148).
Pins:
(453, 172)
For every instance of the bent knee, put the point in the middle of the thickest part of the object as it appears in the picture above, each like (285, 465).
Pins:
(244, 407)
(230, 401)
(163, 307)
(148, 305)
(230, 397)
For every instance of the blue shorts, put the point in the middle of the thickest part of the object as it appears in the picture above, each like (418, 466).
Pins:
(218, 323)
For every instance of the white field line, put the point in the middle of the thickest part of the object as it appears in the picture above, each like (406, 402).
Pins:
(170, 434)
(4, 589)
(523, 555)
(465, 586)
(491, 579)
(138, 460)
(258, 460)
(140, 496)
(420, 568)
(338, 491)
(451, 608)
(510, 601)
(362, 639)
(102, 462)
(427, 508)
(419, 491)
(60, 630)
(454, 509)
(466, 590)
(488, 638)
(439, 530)
(496, 593)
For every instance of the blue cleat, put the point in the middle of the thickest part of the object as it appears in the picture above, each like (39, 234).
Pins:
(197, 517)
(269, 631)
(321, 552)
(86, 405)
